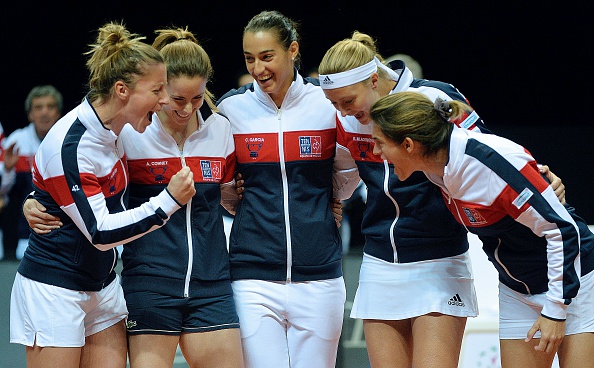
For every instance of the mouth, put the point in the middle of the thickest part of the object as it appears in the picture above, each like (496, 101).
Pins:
(264, 79)
(182, 116)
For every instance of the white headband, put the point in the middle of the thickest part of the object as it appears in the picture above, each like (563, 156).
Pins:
(355, 75)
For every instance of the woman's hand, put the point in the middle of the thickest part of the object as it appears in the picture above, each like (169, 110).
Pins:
(38, 219)
(336, 207)
(239, 185)
(551, 334)
(556, 183)
(181, 186)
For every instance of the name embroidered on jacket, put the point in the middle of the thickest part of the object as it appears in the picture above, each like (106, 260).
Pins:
(158, 169)
(364, 145)
(254, 145)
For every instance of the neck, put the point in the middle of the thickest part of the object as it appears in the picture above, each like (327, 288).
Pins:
(436, 164)
(385, 86)
(108, 116)
(178, 132)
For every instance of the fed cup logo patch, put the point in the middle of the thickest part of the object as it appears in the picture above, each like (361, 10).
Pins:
(474, 217)
(158, 169)
(310, 146)
(211, 170)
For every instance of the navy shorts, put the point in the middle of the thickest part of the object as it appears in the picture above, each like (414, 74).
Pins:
(155, 313)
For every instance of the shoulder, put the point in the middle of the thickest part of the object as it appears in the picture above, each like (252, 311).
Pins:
(434, 89)
(236, 92)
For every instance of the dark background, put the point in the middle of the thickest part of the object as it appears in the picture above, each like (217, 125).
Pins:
(525, 68)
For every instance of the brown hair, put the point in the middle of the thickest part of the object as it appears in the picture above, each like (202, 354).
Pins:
(184, 56)
(117, 55)
(285, 29)
(414, 115)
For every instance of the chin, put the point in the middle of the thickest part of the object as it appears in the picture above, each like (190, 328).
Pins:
(402, 176)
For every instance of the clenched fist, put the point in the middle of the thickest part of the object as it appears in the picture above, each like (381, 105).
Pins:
(181, 185)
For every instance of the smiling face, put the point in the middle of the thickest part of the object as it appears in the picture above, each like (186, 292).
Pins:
(402, 155)
(270, 65)
(354, 100)
(147, 96)
(186, 95)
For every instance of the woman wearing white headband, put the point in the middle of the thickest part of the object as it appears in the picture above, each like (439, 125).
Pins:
(415, 285)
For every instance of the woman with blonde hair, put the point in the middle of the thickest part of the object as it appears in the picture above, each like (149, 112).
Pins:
(415, 285)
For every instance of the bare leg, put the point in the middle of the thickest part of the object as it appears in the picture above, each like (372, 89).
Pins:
(389, 343)
(437, 340)
(214, 349)
(105, 349)
(518, 353)
(577, 351)
(38, 357)
(152, 351)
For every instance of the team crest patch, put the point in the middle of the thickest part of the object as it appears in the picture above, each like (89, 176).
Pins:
(112, 181)
(310, 146)
(364, 146)
(158, 169)
(254, 145)
(211, 170)
(474, 217)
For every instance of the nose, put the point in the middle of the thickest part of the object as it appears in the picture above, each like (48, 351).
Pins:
(258, 67)
(188, 107)
(163, 98)
(376, 150)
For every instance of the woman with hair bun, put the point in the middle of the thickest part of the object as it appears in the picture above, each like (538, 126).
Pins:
(541, 249)
(67, 305)
(415, 284)
(176, 282)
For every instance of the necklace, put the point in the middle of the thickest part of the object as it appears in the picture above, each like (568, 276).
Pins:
(182, 136)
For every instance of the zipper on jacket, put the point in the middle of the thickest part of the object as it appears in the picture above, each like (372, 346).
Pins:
(188, 216)
(495, 253)
(397, 208)
(281, 155)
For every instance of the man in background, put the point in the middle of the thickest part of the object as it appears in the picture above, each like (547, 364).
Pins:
(43, 106)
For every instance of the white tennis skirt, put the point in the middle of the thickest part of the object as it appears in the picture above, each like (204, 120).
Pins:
(518, 312)
(396, 291)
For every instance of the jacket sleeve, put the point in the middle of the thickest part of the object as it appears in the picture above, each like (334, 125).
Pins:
(86, 205)
(536, 206)
(345, 176)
